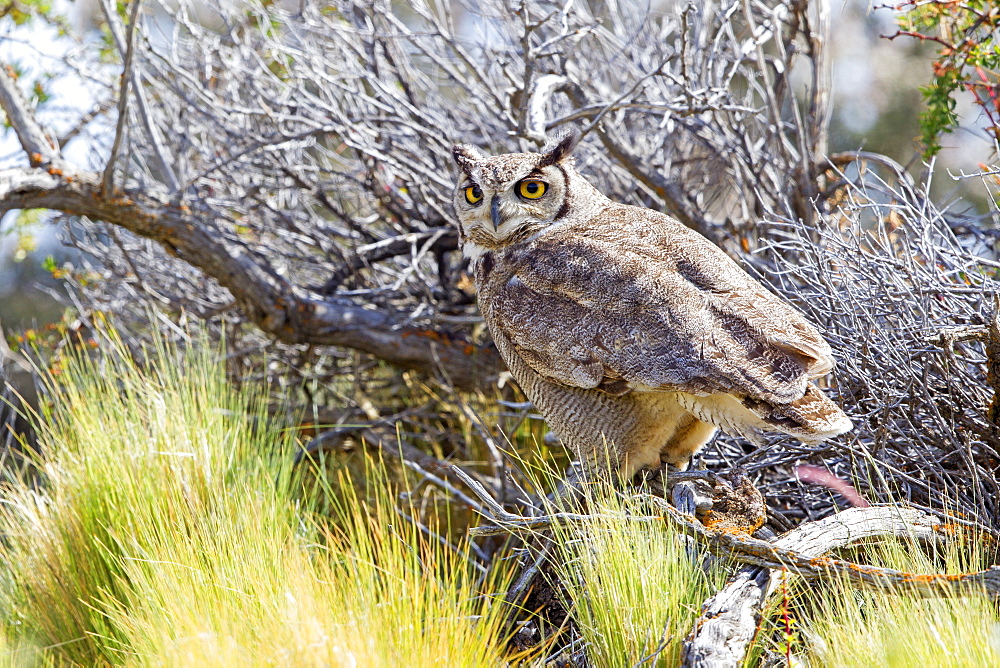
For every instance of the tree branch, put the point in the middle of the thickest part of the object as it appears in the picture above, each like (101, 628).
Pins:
(388, 248)
(131, 70)
(34, 141)
(748, 550)
(107, 179)
(285, 311)
(728, 621)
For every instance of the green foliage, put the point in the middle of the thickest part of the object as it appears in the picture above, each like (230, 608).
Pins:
(170, 528)
(30, 14)
(968, 57)
(939, 117)
(25, 225)
(39, 92)
(24, 12)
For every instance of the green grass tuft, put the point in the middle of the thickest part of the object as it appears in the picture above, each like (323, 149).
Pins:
(634, 589)
(169, 527)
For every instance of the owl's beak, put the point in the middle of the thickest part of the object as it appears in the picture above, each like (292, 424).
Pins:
(495, 212)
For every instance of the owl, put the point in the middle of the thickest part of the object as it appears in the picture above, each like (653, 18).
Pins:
(636, 337)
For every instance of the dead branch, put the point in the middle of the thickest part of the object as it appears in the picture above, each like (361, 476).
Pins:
(35, 142)
(745, 549)
(741, 547)
(285, 311)
(728, 621)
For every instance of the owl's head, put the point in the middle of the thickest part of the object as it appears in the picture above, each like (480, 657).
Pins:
(504, 199)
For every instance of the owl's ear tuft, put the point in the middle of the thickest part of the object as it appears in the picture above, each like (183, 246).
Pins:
(466, 156)
(562, 150)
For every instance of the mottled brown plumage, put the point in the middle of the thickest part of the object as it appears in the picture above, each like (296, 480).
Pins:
(634, 336)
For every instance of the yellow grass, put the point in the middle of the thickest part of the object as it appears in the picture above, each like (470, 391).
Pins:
(168, 527)
(844, 626)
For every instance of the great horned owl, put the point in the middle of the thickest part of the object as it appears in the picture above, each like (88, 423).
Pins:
(634, 335)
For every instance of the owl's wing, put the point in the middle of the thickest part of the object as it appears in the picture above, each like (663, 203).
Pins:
(670, 311)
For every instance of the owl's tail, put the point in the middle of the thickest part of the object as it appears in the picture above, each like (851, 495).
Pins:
(811, 419)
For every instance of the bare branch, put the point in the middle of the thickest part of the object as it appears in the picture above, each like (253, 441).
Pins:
(542, 89)
(107, 184)
(748, 550)
(34, 140)
(277, 307)
(728, 621)
(125, 45)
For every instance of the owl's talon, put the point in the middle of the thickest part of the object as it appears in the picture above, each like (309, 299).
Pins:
(710, 477)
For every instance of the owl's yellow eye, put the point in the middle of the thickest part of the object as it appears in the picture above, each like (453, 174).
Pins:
(531, 188)
(473, 195)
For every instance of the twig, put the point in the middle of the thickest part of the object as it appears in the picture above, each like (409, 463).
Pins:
(107, 185)
(124, 45)
(34, 141)
(445, 485)
(542, 89)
